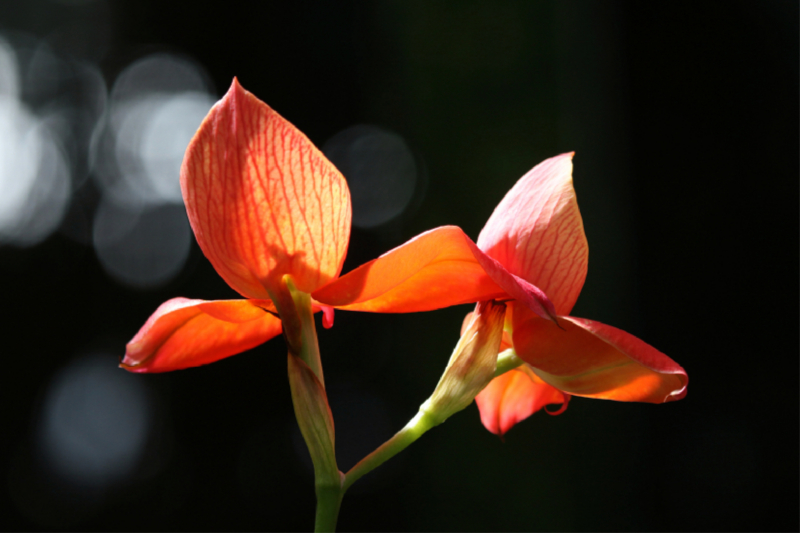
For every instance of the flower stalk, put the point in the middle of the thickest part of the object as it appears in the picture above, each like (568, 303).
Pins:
(507, 360)
(310, 401)
(473, 364)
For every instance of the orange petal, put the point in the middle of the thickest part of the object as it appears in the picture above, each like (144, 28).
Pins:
(183, 333)
(433, 270)
(439, 268)
(536, 232)
(514, 396)
(591, 359)
(262, 200)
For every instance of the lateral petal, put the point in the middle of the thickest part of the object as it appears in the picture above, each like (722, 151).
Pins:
(433, 270)
(183, 333)
(262, 199)
(536, 232)
(591, 359)
(438, 268)
(514, 396)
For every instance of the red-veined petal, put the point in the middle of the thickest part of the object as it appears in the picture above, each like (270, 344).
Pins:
(439, 268)
(262, 199)
(183, 333)
(433, 270)
(591, 359)
(517, 288)
(514, 396)
(536, 232)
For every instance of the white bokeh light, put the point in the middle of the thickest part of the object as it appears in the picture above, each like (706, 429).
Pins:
(141, 248)
(94, 422)
(140, 231)
(34, 172)
(155, 107)
(9, 71)
(34, 177)
(151, 139)
(380, 170)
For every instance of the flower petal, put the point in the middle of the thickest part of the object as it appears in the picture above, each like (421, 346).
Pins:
(591, 359)
(517, 288)
(262, 200)
(514, 396)
(439, 268)
(536, 232)
(183, 333)
(433, 270)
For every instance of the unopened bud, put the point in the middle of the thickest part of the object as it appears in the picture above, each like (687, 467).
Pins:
(315, 419)
(472, 365)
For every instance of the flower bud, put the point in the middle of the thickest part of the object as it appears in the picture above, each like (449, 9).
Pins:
(472, 365)
(315, 420)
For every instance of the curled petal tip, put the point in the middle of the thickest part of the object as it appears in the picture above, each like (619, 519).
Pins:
(327, 317)
(560, 409)
(679, 394)
(514, 396)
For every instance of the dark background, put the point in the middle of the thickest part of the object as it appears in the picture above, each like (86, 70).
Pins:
(684, 119)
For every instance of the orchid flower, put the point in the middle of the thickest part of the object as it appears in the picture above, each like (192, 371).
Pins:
(272, 215)
(536, 233)
(513, 359)
(265, 203)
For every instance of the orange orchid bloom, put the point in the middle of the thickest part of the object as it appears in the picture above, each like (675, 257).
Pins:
(536, 233)
(265, 203)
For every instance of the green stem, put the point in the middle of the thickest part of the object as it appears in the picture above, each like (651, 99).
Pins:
(506, 361)
(311, 403)
(309, 345)
(329, 500)
(418, 425)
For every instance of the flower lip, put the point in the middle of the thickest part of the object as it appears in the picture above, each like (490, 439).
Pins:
(595, 360)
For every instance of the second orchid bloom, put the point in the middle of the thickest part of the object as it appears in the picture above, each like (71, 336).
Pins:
(536, 234)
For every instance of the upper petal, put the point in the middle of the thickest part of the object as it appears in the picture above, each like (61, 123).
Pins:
(536, 232)
(183, 333)
(587, 358)
(514, 396)
(439, 268)
(262, 200)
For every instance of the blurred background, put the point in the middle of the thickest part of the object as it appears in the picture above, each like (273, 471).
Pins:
(684, 119)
